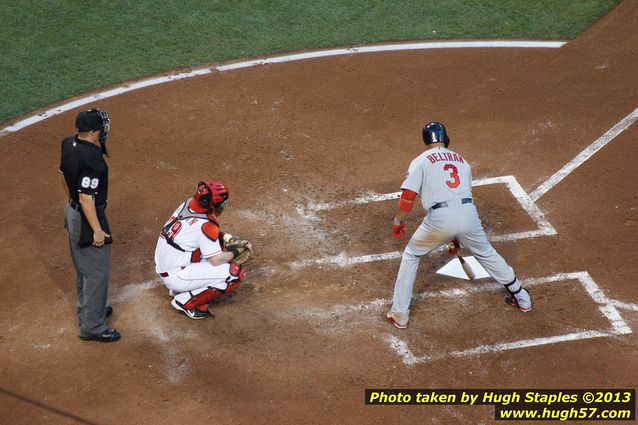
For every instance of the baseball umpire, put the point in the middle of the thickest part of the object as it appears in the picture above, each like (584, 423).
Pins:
(443, 180)
(85, 178)
(196, 261)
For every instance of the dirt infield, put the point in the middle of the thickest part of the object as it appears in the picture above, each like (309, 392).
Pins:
(301, 340)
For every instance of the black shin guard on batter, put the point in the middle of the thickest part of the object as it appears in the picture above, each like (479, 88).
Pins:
(515, 291)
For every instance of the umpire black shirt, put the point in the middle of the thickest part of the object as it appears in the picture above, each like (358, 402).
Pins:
(84, 169)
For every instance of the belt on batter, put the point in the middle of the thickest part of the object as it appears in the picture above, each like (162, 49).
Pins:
(78, 207)
(444, 204)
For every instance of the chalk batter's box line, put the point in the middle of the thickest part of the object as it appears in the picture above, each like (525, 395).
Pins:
(606, 306)
(343, 260)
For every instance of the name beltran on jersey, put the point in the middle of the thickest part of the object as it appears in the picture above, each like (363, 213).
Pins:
(445, 156)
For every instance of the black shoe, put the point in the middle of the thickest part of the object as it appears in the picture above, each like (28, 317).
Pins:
(109, 335)
(109, 310)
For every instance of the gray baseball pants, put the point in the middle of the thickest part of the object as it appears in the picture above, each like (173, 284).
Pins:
(92, 266)
(439, 227)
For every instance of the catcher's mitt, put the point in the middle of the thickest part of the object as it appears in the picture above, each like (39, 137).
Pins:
(241, 248)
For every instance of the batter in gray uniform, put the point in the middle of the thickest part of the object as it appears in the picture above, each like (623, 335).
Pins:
(443, 180)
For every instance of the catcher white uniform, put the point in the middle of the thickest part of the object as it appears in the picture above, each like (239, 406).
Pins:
(189, 270)
(190, 257)
(443, 180)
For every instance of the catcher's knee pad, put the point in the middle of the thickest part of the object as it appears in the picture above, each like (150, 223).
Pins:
(233, 282)
(236, 273)
(204, 298)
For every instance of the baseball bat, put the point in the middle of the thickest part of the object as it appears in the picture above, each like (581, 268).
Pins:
(466, 267)
(455, 247)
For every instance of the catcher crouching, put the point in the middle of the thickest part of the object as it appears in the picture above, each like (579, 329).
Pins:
(196, 261)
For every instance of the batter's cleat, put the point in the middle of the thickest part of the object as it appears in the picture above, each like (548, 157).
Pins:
(397, 320)
(522, 301)
(195, 314)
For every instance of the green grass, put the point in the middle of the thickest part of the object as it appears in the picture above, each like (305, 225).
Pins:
(52, 50)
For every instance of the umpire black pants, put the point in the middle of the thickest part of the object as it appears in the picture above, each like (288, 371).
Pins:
(92, 266)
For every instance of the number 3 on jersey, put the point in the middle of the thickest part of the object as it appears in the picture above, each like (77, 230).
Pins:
(454, 173)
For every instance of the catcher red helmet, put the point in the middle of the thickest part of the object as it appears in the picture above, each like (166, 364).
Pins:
(212, 195)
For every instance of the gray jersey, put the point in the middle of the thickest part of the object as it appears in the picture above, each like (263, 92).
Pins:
(439, 175)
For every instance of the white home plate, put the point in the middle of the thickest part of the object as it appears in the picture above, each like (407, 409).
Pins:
(454, 269)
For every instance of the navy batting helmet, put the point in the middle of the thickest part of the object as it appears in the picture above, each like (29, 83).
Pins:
(435, 132)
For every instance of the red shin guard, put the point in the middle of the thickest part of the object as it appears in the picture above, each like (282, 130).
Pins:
(203, 298)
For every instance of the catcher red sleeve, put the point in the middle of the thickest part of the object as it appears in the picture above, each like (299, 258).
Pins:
(406, 202)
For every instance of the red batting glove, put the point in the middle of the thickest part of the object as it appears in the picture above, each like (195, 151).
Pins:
(398, 229)
(453, 247)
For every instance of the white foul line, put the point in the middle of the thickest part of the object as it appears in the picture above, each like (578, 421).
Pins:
(584, 155)
(277, 59)
(606, 306)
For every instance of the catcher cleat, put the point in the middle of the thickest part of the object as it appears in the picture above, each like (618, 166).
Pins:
(397, 320)
(522, 301)
(194, 313)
